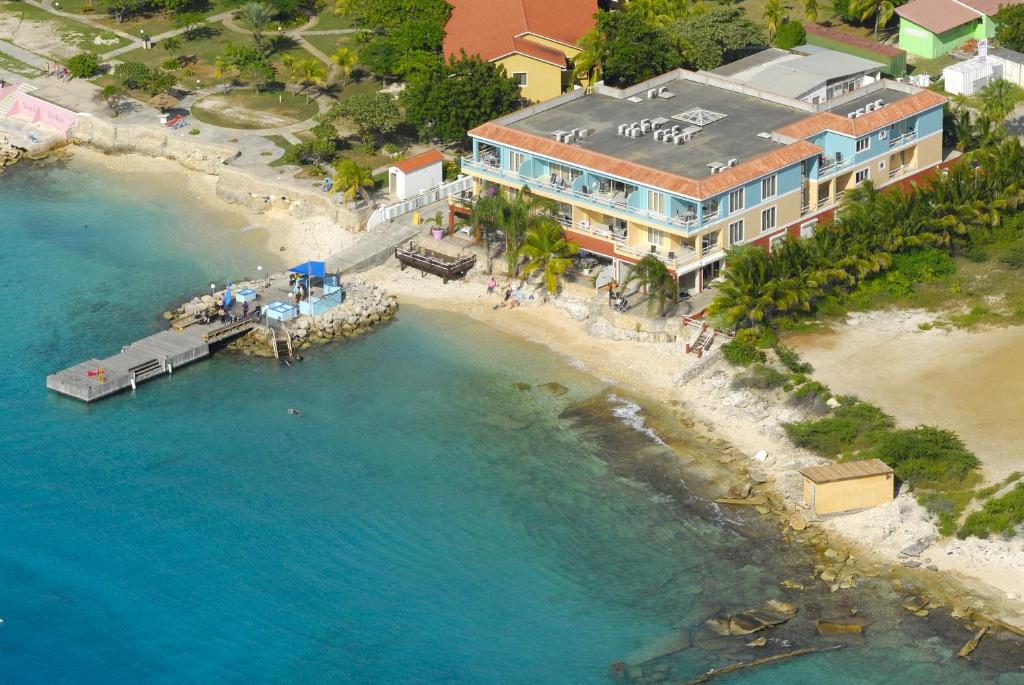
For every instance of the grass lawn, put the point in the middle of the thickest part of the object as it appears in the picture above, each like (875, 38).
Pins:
(329, 20)
(282, 143)
(205, 50)
(152, 24)
(71, 32)
(247, 109)
(331, 42)
(933, 67)
(18, 67)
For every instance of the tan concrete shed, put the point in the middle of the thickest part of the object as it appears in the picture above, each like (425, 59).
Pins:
(847, 486)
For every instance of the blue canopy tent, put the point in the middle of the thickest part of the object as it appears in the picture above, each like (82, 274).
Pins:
(331, 295)
(310, 269)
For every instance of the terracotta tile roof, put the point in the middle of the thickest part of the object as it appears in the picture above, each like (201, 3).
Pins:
(746, 171)
(827, 121)
(541, 52)
(416, 162)
(831, 473)
(938, 16)
(490, 28)
(857, 41)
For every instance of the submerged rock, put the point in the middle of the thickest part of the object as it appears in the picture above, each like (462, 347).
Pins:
(792, 585)
(840, 625)
(522, 386)
(554, 388)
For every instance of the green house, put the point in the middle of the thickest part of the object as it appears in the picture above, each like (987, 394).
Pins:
(931, 28)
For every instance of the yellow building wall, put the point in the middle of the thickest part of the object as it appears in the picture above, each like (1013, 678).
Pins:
(846, 495)
(928, 151)
(543, 80)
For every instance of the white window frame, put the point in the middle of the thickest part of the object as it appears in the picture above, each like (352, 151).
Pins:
(881, 164)
(807, 228)
(769, 187)
(734, 205)
(738, 224)
(864, 144)
(526, 78)
(515, 160)
(712, 246)
(775, 240)
(656, 201)
(655, 236)
(857, 180)
(774, 216)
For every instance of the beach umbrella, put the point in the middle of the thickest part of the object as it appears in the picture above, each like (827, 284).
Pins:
(163, 101)
(606, 276)
(227, 296)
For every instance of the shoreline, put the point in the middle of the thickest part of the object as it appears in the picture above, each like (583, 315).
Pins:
(654, 371)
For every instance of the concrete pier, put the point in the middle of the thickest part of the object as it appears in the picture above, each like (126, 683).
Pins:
(142, 360)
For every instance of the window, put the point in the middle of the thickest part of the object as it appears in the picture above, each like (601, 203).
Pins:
(861, 176)
(655, 237)
(561, 174)
(863, 144)
(520, 78)
(515, 160)
(736, 232)
(736, 200)
(881, 165)
(776, 241)
(655, 201)
(708, 241)
(768, 219)
(768, 187)
(807, 228)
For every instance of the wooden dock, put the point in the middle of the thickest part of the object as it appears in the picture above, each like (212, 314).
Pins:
(144, 359)
(430, 262)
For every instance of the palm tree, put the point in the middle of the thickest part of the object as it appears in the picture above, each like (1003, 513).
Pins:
(881, 10)
(752, 292)
(255, 16)
(588, 63)
(291, 69)
(488, 210)
(522, 211)
(651, 274)
(353, 178)
(811, 10)
(312, 72)
(548, 251)
(346, 59)
(659, 12)
(774, 14)
(998, 99)
(172, 45)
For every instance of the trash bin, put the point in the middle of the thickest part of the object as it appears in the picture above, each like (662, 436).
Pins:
(415, 218)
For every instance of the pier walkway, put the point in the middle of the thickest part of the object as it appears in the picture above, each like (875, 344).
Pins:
(144, 359)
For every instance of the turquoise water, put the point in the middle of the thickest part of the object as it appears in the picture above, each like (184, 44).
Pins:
(424, 521)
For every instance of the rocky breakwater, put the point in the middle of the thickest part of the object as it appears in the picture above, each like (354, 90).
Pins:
(9, 152)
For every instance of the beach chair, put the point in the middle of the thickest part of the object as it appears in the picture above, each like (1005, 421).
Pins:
(174, 120)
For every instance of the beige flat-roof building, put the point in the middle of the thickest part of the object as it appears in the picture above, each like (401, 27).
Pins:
(848, 486)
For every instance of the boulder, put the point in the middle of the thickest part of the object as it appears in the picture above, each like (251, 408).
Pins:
(757, 475)
(758, 642)
(792, 585)
(778, 605)
(840, 625)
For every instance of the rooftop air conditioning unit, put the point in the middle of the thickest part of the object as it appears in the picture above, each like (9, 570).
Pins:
(622, 129)
(851, 115)
(870, 107)
(860, 111)
(659, 134)
(662, 89)
(879, 103)
(732, 162)
(679, 139)
(635, 133)
(762, 134)
(652, 93)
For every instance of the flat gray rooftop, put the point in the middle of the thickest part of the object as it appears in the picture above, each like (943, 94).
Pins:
(732, 137)
(886, 95)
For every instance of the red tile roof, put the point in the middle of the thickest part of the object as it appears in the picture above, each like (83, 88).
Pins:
(938, 16)
(827, 121)
(541, 52)
(990, 7)
(842, 37)
(728, 178)
(417, 162)
(490, 28)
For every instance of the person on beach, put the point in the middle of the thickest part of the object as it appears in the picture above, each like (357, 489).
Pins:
(245, 310)
(491, 285)
(508, 293)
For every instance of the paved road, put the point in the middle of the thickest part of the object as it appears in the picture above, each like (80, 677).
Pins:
(23, 55)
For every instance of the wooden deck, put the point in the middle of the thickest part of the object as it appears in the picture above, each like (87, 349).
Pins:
(142, 360)
(435, 263)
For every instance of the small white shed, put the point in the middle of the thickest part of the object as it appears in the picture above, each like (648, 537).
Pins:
(1013, 64)
(415, 175)
(970, 76)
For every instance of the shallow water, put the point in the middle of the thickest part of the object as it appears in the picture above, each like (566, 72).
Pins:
(424, 521)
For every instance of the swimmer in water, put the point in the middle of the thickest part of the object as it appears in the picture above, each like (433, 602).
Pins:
(294, 412)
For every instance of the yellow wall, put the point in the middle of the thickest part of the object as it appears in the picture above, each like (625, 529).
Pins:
(543, 80)
(845, 495)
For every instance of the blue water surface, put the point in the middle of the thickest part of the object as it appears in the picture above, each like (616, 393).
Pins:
(423, 521)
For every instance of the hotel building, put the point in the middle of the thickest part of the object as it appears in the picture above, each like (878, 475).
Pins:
(688, 164)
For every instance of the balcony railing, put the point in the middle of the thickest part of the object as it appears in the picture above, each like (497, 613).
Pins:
(832, 166)
(898, 171)
(671, 258)
(687, 222)
(903, 139)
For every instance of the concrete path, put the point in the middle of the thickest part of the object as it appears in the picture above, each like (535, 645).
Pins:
(23, 55)
(373, 248)
(137, 43)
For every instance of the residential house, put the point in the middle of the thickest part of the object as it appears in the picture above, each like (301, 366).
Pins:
(932, 28)
(535, 40)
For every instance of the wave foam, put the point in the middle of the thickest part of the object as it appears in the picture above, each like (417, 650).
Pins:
(629, 413)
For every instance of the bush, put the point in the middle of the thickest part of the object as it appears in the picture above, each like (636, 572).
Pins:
(193, 132)
(790, 35)
(1001, 515)
(926, 456)
(84, 65)
(1014, 257)
(948, 506)
(813, 389)
(762, 377)
(741, 352)
(852, 426)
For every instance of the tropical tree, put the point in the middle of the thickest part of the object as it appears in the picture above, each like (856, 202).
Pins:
(255, 16)
(881, 10)
(113, 97)
(710, 39)
(513, 213)
(548, 252)
(172, 45)
(999, 98)
(311, 73)
(487, 214)
(811, 10)
(663, 12)
(373, 114)
(588, 62)
(190, 22)
(346, 59)
(651, 274)
(354, 179)
(291, 70)
(774, 14)
(635, 50)
(752, 292)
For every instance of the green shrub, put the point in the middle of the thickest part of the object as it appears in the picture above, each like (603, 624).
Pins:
(762, 377)
(193, 131)
(852, 426)
(813, 389)
(789, 35)
(1014, 257)
(83, 65)
(923, 265)
(985, 493)
(741, 352)
(948, 506)
(1001, 516)
(926, 456)
(791, 360)
(976, 254)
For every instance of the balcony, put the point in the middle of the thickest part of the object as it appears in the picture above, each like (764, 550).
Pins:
(896, 172)
(832, 166)
(596, 230)
(600, 201)
(907, 137)
(671, 258)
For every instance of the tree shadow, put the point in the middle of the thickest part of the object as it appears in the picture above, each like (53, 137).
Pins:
(280, 44)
